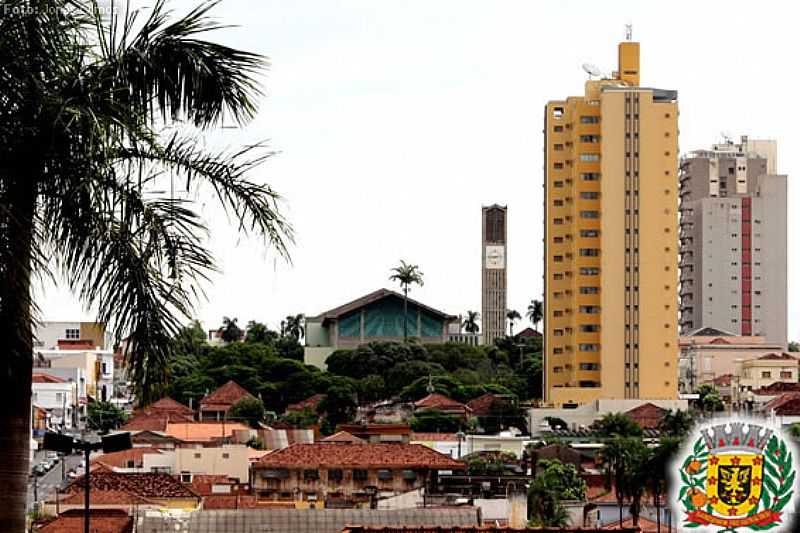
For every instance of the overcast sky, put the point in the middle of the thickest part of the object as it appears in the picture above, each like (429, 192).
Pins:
(396, 120)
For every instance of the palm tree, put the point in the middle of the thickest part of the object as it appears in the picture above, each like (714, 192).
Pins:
(535, 313)
(676, 423)
(406, 275)
(295, 326)
(625, 464)
(470, 323)
(512, 316)
(230, 330)
(85, 103)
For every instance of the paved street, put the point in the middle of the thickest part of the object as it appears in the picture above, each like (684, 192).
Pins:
(48, 483)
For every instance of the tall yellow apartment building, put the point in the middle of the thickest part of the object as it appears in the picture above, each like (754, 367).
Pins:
(611, 261)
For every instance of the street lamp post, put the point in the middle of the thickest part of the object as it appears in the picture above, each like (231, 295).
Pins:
(460, 436)
(65, 444)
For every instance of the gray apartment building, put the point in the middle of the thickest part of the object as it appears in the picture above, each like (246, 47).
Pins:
(733, 240)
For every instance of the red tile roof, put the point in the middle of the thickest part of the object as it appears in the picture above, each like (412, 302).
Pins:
(224, 397)
(121, 459)
(358, 456)
(777, 388)
(154, 421)
(440, 401)
(168, 405)
(310, 403)
(104, 497)
(343, 436)
(202, 483)
(482, 404)
(46, 378)
(101, 521)
(785, 405)
(431, 437)
(647, 415)
(529, 332)
(230, 501)
(148, 486)
(477, 529)
(202, 431)
(777, 357)
(722, 381)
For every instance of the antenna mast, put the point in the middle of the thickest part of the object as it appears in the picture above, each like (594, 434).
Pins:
(628, 32)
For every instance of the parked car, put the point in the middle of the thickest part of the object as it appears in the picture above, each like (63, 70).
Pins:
(38, 470)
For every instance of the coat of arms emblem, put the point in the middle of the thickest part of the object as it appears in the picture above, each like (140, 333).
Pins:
(737, 475)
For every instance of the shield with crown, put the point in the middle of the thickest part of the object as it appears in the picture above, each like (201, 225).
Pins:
(738, 475)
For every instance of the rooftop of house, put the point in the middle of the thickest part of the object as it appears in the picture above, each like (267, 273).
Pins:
(433, 437)
(202, 483)
(102, 521)
(154, 421)
(343, 436)
(787, 404)
(229, 501)
(148, 486)
(777, 388)
(311, 403)
(168, 405)
(39, 377)
(347, 455)
(224, 397)
(439, 401)
(647, 415)
(375, 296)
(721, 381)
(202, 431)
(529, 332)
(123, 458)
(479, 529)
(777, 357)
(481, 405)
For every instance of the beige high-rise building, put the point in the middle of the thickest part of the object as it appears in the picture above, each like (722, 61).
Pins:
(611, 258)
(493, 279)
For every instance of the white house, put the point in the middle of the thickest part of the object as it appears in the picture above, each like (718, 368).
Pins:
(57, 396)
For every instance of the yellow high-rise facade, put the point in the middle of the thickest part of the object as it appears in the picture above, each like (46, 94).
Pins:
(611, 261)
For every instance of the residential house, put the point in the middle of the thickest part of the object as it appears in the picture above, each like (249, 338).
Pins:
(113, 490)
(707, 353)
(309, 403)
(137, 461)
(97, 367)
(505, 441)
(221, 492)
(377, 316)
(756, 399)
(783, 410)
(647, 415)
(480, 529)
(443, 404)
(153, 439)
(344, 474)
(343, 437)
(215, 406)
(482, 405)
(231, 461)
(445, 443)
(50, 335)
(155, 416)
(763, 371)
(58, 397)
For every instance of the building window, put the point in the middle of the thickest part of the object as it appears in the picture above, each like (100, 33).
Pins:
(589, 347)
(590, 119)
(198, 455)
(558, 128)
(589, 366)
(59, 397)
(590, 195)
(590, 214)
(590, 252)
(590, 290)
(590, 309)
(589, 271)
(558, 147)
(766, 374)
(786, 374)
(335, 474)
(558, 112)
(72, 333)
(360, 474)
(310, 475)
(590, 157)
(226, 455)
(186, 477)
(590, 233)
(385, 474)
(590, 176)
(590, 138)
(590, 328)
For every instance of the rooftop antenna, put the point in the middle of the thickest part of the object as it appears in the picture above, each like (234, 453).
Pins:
(628, 32)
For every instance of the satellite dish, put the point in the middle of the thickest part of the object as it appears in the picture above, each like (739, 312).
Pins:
(591, 70)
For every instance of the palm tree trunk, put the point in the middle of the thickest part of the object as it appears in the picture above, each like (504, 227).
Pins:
(405, 313)
(16, 361)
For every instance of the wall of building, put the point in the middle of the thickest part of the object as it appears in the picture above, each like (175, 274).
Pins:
(231, 461)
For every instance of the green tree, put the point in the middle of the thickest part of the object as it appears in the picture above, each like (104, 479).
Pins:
(300, 419)
(295, 326)
(85, 102)
(676, 423)
(794, 346)
(190, 339)
(406, 275)
(249, 410)
(660, 460)
(470, 323)
(260, 333)
(618, 424)
(535, 313)
(710, 400)
(794, 431)
(434, 421)
(230, 330)
(104, 416)
(371, 389)
(626, 461)
(553, 483)
(512, 316)
(503, 414)
(339, 405)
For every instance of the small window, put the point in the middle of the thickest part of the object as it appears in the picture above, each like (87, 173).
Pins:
(786, 374)
(186, 477)
(590, 214)
(72, 333)
(590, 119)
(590, 176)
(590, 195)
(226, 455)
(198, 455)
(310, 475)
(558, 128)
(558, 112)
(766, 374)
(360, 474)
(335, 474)
(590, 157)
